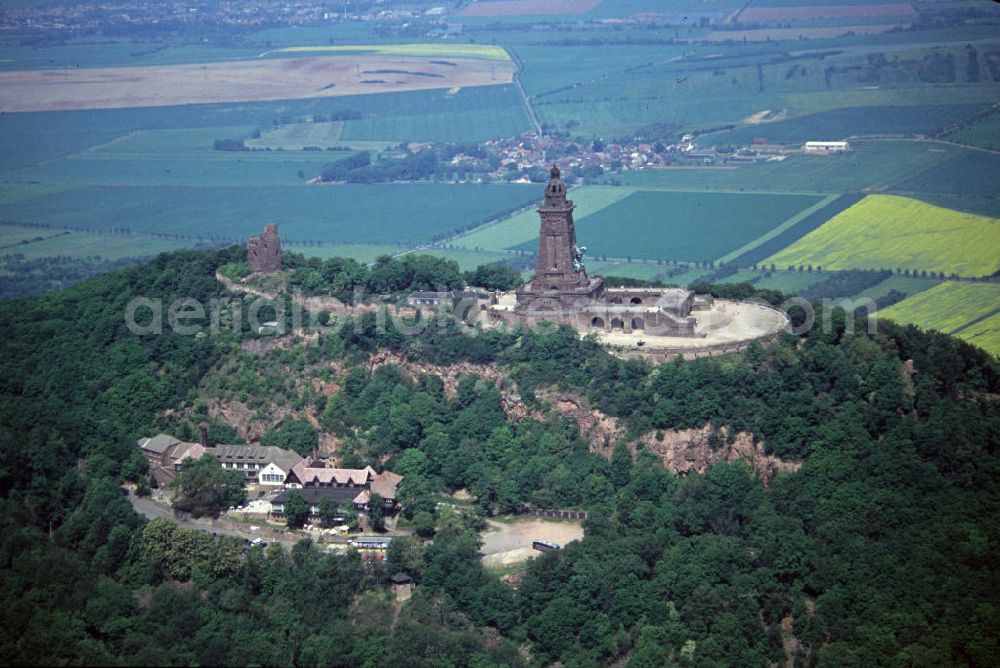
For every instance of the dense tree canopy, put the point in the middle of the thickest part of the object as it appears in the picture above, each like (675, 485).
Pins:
(293, 434)
(881, 547)
(203, 487)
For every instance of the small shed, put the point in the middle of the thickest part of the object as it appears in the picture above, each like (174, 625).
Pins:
(402, 586)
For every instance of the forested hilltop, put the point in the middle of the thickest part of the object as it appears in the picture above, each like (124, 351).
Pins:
(880, 550)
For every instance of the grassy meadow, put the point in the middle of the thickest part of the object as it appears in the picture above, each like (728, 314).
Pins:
(887, 231)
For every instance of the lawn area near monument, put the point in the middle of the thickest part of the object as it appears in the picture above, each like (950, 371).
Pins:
(690, 226)
(970, 311)
(887, 231)
(408, 214)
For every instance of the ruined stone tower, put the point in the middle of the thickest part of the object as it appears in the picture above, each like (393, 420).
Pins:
(264, 252)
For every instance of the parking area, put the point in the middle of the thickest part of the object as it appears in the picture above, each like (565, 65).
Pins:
(509, 542)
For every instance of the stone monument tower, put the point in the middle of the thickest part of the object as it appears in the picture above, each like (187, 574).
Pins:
(264, 252)
(560, 276)
(558, 266)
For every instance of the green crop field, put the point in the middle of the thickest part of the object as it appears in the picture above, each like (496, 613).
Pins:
(642, 270)
(908, 285)
(361, 252)
(968, 310)
(436, 50)
(80, 245)
(984, 333)
(31, 138)
(466, 259)
(550, 67)
(221, 169)
(788, 282)
(13, 237)
(403, 213)
(455, 126)
(683, 225)
(887, 231)
(869, 165)
(963, 172)
(847, 122)
(523, 226)
(985, 133)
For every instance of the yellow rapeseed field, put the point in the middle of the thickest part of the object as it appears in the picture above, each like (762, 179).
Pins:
(480, 51)
(890, 232)
(967, 310)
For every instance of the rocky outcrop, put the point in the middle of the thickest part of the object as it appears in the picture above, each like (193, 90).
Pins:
(602, 431)
(682, 451)
(685, 451)
(264, 252)
(513, 406)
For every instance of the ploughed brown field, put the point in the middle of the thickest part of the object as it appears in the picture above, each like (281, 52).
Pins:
(882, 10)
(528, 7)
(244, 81)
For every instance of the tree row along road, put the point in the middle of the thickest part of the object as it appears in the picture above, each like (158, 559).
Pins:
(524, 95)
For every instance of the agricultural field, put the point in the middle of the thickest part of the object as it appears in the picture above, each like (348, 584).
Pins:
(985, 133)
(81, 245)
(361, 252)
(522, 227)
(968, 310)
(696, 90)
(686, 226)
(13, 236)
(847, 122)
(984, 333)
(467, 259)
(460, 51)
(788, 282)
(31, 138)
(893, 166)
(221, 169)
(887, 231)
(407, 214)
(799, 33)
(646, 271)
(783, 14)
(908, 285)
(963, 172)
(456, 126)
(240, 81)
(527, 7)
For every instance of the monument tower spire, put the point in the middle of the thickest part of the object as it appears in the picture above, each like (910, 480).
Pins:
(557, 267)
